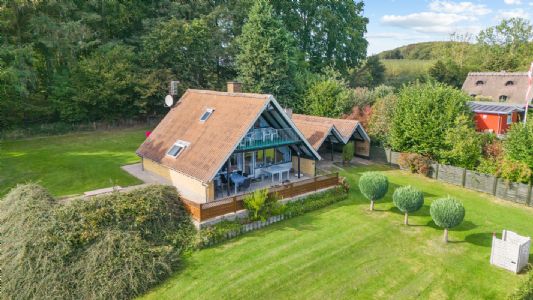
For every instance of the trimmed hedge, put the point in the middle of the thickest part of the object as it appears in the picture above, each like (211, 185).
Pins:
(109, 247)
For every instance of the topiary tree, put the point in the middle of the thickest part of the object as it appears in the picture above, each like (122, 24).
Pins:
(373, 186)
(447, 213)
(408, 199)
(348, 152)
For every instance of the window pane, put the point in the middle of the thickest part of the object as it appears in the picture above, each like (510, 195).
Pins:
(175, 150)
(269, 156)
(205, 116)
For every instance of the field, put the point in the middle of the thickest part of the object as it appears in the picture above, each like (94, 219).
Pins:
(70, 164)
(400, 71)
(345, 251)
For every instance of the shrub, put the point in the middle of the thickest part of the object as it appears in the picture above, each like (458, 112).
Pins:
(262, 205)
(315, 201)
(108, 247)
(447, 213)
(415, 163)
(525, 290)
(373, 186)
(348, 152)
(212, 234)
(515, 171)
(408, 199)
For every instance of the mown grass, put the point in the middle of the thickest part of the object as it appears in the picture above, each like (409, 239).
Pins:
(403, 71)
(345, 251)
(70, 164)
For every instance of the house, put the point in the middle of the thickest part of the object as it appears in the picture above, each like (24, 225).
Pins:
(501, 87)
(214, 144)
(328, 135)
(495, 117)
(503, 96)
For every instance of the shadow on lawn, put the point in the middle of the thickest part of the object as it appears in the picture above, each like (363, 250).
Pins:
(483, 239)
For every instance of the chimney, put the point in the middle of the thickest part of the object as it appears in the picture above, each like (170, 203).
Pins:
(234, 87)
(288, 111)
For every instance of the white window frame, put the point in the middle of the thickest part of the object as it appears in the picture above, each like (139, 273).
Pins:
(179, 143)
(209, 112)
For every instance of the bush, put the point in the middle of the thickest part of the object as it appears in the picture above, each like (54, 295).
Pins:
(109, 247)
(373, 186)
(525, 290)
(447, 213)
(216, 233)
(415, 163)
(315, 201)
(408, 199)
(262, 205)
(515, 171)
(348, 152)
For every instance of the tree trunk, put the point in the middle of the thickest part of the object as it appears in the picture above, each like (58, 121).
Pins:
(371, 205)
(446, 235)
(406, 219)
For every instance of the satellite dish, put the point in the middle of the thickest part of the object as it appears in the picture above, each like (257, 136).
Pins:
(169, 101)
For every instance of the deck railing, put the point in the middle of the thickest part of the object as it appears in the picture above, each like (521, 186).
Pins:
(268, 137)
(232, 204)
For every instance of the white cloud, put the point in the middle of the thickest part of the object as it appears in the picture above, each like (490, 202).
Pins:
(459, 7)
(513, 2)
(427, 22)
(512, 13)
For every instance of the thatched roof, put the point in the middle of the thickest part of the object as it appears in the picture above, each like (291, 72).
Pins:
(498, 86)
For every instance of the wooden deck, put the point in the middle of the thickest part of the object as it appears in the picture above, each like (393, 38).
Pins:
(232, 204)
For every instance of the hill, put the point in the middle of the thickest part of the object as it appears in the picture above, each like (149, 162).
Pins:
(423, 51)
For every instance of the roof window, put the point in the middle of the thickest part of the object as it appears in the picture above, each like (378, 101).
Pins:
(480, 82)
(177, 148)
(503, 98)
(206, 114)
(509, 83)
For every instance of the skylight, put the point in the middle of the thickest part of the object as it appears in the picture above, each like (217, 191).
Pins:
(177, 148)
(206, 114)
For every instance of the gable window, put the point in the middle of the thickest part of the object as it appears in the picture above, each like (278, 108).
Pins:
(177, 148)
(508, 83)
(503, 98)
(480, 82)
(509, 119)
(206, 115)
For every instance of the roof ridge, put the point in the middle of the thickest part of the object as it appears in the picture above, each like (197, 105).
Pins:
(246, 95)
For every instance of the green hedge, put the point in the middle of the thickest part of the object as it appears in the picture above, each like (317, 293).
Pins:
(110, 247)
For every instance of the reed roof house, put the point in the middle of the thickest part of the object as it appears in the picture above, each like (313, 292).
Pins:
(329, 135)
(214, 144)
(503, 96)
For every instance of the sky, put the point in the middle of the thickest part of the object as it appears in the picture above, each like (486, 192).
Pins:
(394, 23)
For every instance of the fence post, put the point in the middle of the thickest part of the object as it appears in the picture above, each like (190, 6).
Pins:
(437, 172)
(390, 157)
(200, 212)
(494, 185)
(464, 177)
(530, 191)
(235, 204)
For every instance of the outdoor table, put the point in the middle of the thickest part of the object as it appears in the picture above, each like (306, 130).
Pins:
(278, 170)
(237, 180)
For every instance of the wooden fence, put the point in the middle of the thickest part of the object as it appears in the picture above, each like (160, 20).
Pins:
(232, 204)
(511, 191)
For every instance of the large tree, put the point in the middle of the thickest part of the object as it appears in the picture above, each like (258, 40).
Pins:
(328, 32)
(423, 116)
(266, 61)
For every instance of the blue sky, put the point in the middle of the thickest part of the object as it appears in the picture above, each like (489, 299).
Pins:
(394, 23)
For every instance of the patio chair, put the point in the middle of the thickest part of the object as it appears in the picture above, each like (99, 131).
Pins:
(246, 184)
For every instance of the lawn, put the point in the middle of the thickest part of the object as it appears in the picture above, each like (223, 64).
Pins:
(70, 164)
(401, 71)
(346, 251)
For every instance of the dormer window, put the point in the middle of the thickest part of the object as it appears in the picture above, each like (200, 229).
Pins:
(177, 148)
(503, 98)
(206, 114)
(480, 82)
(509, 83)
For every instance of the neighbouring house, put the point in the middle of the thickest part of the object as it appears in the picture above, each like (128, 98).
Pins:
(495, 117)
(501, 87)
(211, 145)
(503, 99)
(328, 135)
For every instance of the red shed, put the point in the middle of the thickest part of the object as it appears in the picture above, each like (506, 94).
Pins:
(496, 117)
